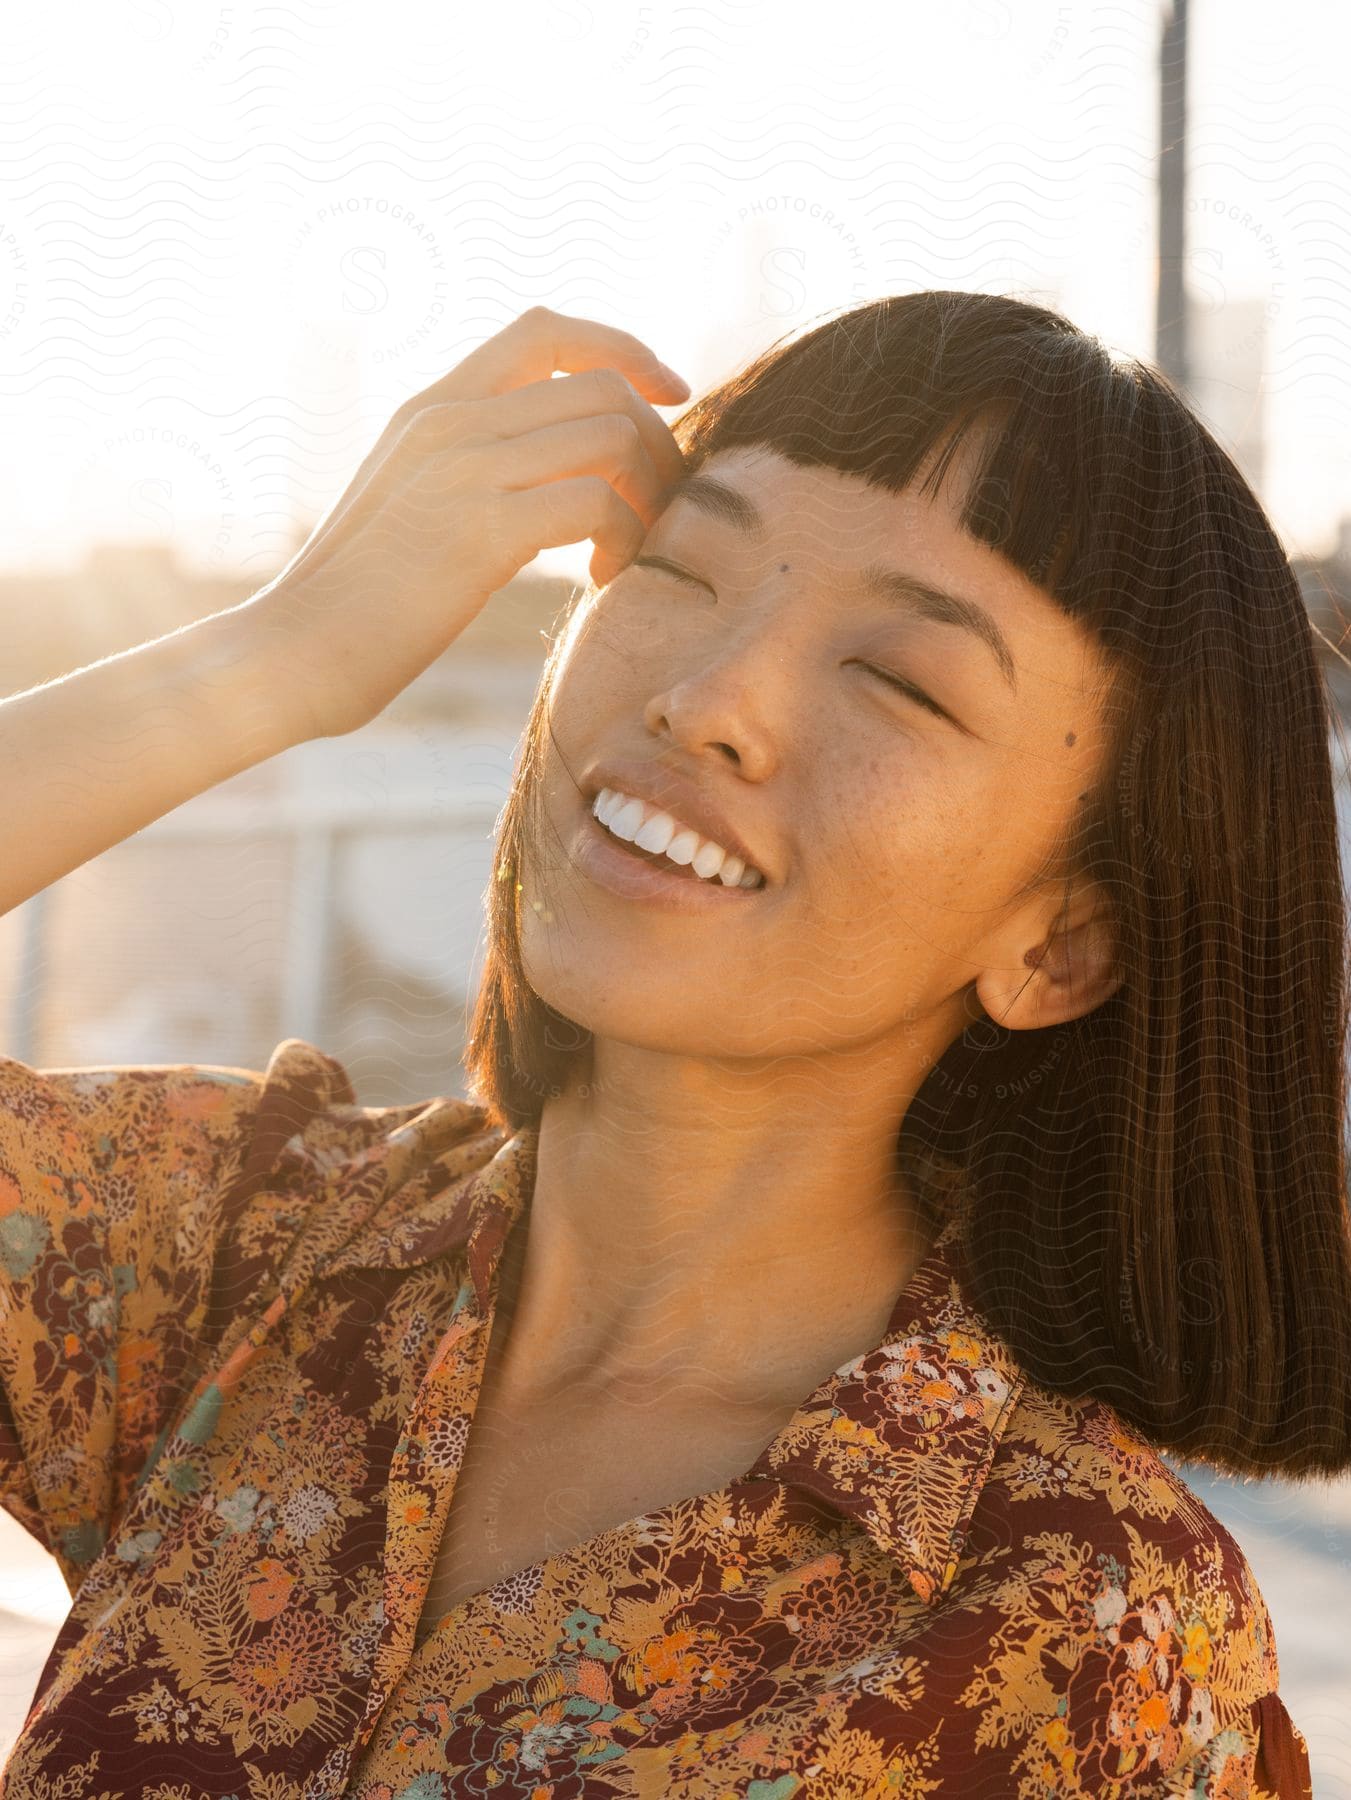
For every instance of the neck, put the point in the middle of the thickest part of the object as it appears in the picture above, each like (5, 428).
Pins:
(730, 1240)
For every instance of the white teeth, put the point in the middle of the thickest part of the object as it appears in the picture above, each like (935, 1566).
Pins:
(626, 819)
(656, 833)
(708, 859)
(665, 836)
(683, 845)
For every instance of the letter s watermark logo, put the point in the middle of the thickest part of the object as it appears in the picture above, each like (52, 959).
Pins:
(154, 19)
(787, 262)
(571, 18)
(364, 288)
(366, 777)
(987, 19)
(1205, 283)
(150, 503)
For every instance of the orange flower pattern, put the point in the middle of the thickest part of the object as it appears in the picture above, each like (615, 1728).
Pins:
(244, 1325)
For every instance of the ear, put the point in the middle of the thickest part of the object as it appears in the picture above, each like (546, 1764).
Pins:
(1060, 967)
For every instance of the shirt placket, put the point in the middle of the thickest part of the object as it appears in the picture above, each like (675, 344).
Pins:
(420, 1491)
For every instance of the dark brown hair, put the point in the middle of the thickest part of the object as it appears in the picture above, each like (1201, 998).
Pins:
(1154, 1194)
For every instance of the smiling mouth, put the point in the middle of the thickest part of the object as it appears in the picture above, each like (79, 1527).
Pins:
(656, 858)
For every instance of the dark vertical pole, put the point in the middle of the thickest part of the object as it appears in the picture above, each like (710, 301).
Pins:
(1170, 317)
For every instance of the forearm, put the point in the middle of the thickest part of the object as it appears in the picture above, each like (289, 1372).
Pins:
(94, 756)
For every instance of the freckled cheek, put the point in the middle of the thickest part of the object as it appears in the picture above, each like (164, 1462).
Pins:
(608, 660)
(865, 866)
(895, 873)
(887, 831)
(596, 680)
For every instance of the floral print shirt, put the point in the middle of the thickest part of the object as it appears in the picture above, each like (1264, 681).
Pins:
(242, 1325)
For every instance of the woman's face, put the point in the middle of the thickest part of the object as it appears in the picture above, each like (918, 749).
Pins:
(745, 652)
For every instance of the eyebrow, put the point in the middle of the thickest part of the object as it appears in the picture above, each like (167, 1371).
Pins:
(718, 500)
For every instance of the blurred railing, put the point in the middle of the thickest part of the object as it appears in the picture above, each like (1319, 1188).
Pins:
(311, 836)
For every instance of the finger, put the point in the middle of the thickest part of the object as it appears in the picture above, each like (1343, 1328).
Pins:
(605, 444)
(541, 341)
(570, 511)
(595, 392)
(529, 350)
(405, 445)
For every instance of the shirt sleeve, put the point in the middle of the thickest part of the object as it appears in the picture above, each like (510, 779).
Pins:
(1264, 1758)
(119, 1188)
(1282, 1754)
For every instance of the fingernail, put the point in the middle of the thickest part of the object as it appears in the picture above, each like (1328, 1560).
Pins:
(671, 379)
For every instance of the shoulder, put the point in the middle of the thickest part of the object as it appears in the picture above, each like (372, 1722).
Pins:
(1126, 1631)
(156, 1118)
(1085, 1625)
(162, 1158)
(148, 1213)
(1075, 1500)
(334, 1180)
(1070, 1466)
(1101, 1631)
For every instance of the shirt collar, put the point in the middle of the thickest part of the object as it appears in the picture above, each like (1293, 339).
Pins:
(900, 1439)
(426, 1207)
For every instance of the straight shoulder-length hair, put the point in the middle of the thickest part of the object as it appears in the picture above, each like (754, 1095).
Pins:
(1154, 1195)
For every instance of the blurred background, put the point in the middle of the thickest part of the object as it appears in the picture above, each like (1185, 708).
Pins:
(234, 237)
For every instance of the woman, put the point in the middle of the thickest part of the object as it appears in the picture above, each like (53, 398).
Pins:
(907, 1102)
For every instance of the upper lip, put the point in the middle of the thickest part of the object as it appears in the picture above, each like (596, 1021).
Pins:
(677, 795)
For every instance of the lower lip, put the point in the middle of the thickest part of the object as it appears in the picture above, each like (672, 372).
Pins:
(600, 857)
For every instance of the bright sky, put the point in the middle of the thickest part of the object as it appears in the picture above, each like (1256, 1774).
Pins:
(233, 237)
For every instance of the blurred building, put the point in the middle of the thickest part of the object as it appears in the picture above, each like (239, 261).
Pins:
(1227, 352)
(1326, 585)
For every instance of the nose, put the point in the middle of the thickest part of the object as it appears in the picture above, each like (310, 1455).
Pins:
(725, 703)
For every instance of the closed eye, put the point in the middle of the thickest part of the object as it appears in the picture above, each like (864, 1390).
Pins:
(899, 682)
(667, 568)
(910, 690)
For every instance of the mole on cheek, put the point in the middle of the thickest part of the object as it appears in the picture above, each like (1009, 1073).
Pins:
(783, 568)
(1069, 737)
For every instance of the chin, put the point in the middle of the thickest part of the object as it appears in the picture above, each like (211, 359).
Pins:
(624, 1004)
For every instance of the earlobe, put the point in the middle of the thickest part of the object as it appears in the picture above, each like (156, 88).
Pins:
(1079, 969)
(1062, 978)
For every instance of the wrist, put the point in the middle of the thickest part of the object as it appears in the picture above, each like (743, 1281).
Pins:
(246, 677)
